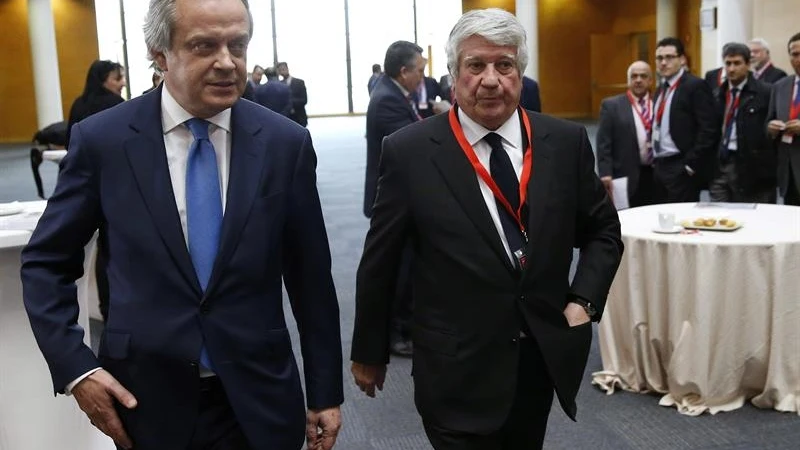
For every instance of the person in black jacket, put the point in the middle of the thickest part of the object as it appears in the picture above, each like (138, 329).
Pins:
(685, 130)
(746, 170)
(762, 67)
(103, 89)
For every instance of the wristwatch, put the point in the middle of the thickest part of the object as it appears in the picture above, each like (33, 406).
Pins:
(588, 307)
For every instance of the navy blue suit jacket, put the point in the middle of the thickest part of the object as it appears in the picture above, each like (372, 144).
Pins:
(529, 98)
(116, 179)
(276, 96)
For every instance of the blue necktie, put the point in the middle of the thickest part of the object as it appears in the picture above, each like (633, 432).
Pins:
(203, 207)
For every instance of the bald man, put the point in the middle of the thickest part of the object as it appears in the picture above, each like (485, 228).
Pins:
(624, 136)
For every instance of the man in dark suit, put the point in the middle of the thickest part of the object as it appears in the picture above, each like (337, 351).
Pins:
(497, 325)
(715, 78)
(299, 95)
(761, 62)
(685, 130)
(445, 86)
(273, 94)
(745, 169)
(530, 99)
(624, 146)
(373, 79)
(207, 203)
(426, 94)
(392, 107)
(784, 126)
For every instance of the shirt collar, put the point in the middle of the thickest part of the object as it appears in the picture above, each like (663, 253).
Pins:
(173, 114)
(402, 89)
(740, 86)
(510, 131)
(675, 77)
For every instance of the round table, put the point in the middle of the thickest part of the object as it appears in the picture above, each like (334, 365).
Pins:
(710, 319)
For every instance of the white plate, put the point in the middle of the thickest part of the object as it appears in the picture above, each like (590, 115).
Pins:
(675, 230)
(9, 209)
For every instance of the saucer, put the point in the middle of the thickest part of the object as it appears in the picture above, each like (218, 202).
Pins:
(675, 230)
(9, 209)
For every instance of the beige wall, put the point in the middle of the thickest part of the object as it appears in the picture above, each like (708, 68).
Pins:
(776, 21)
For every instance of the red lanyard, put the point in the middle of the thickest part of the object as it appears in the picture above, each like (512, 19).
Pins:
(719, 77)
(763, 69)
(794, 105)
(731, 109)
(647, 119)
(663, 101)
(527, 167)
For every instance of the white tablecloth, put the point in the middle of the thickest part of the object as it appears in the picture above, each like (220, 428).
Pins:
(31, 418)
(709, 319)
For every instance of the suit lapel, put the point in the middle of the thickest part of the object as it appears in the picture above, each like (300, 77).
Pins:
(147, 157)
(246, 167)
(539, 185)
(460, 177)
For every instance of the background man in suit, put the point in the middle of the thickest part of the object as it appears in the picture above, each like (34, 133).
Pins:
(624, 147)
(206, 202)
(373, 79)
(784, 126)
(530, 99)
(685, 129)
(761, 63)
(299, 95)
(273, 94)
(745, 169)
(426, 94)
(494, 331)
(446, 85)
(392, 107)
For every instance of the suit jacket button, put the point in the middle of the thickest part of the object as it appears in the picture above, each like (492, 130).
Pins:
(514, 341)
(205, 308)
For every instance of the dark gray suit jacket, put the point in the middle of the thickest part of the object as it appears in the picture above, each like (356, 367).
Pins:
(788, 154)
(617, 143)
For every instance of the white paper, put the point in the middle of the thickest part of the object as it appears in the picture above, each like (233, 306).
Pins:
(619, 188)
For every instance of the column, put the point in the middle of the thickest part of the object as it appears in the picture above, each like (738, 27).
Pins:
(667, 18)
(46, 78)
(528, 15)
(734, 23)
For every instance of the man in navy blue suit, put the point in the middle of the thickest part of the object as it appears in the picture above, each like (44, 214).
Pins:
(273, 94)
(204, 204)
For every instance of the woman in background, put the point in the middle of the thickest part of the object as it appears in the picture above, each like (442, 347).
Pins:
(103, 89)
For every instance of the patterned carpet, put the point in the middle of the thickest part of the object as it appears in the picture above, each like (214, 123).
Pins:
(618, 422)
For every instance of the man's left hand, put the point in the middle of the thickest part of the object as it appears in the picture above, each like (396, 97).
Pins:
(576, 315)
(322, 427)
(793, 127)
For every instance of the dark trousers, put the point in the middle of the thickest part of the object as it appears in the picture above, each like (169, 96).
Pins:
(526, 424)
(673, 184)
(402, 303)
(644, 192)
(727, 187)
(216, 427)
(793, 191)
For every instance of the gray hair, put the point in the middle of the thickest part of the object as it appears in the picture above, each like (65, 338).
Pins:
(760, 41)
(493, 24)
(640, 62)
(159, 23)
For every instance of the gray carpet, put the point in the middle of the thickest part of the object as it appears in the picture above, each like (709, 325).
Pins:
(618, 422)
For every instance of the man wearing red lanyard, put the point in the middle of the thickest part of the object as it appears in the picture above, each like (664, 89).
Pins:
(686, 128)
(761, 64)
(784, 126)
(746, 166)
(623, 137)
(494, 198)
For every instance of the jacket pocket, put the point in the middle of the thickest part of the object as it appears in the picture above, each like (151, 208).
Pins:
(435, 341)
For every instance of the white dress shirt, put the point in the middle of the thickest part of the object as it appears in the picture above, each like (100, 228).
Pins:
(667, 146)
(177, 140)
(511, 133)
(641, 131)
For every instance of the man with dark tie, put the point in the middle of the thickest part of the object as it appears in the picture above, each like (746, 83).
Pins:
(493, 198)
(206, 204)
(745, 169)
(761, 62)
(392, 106)
(784, 126)
(685, 128)
(624, 147)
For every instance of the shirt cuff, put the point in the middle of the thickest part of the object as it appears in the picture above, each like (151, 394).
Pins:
(68, 389)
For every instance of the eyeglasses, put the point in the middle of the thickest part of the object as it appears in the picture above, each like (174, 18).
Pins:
(667, 58)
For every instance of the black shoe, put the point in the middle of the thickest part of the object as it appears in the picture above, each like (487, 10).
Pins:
(402, 348)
